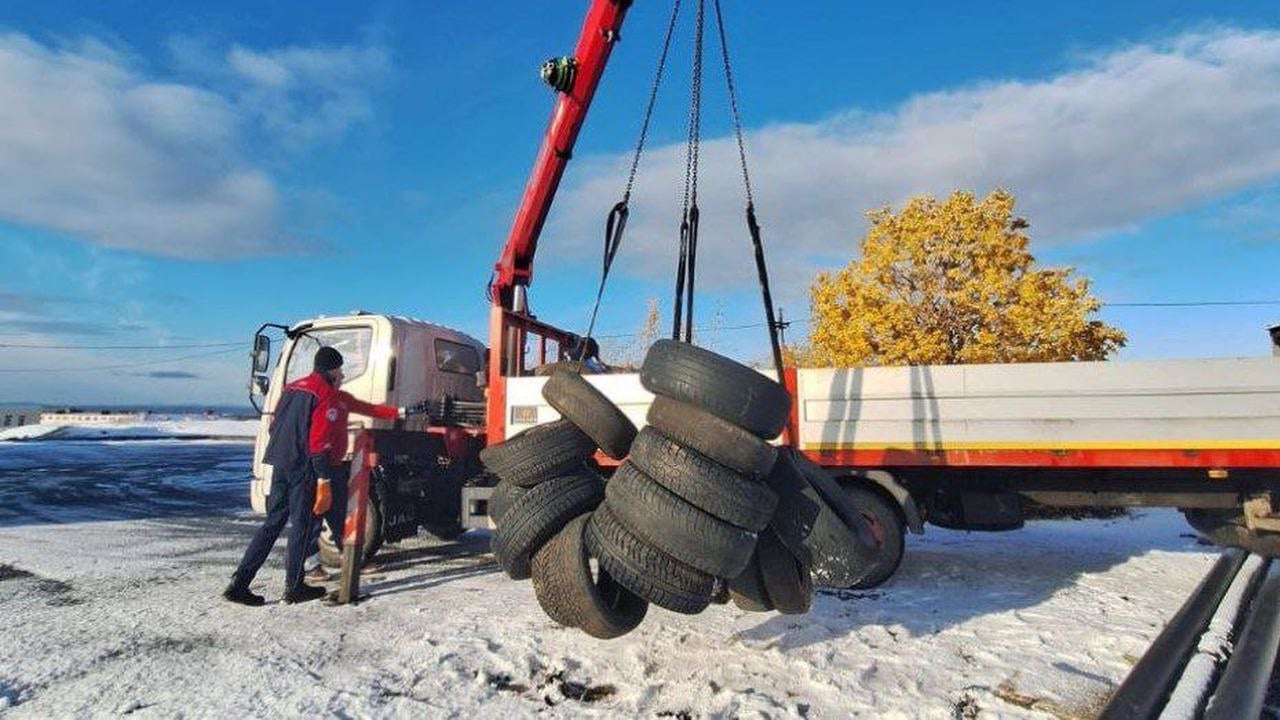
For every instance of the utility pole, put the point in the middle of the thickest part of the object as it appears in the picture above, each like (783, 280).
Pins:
(782, 326)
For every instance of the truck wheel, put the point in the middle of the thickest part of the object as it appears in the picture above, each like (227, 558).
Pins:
(747, 590)
(712, 436)
(586, 407)
(644, 569)
(570, 595)
(812, 531)
(787, 581)
(445, 531)
(330, 556)
(1226, 528)
(702, 482)
(886, 527)
(838, 500)
(539, 453)
(692, 536)
(539, 515)
(722, 387)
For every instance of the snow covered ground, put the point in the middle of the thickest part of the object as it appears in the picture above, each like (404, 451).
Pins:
(112, 556)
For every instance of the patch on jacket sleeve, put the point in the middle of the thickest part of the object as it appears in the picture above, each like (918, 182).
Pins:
(332, 414)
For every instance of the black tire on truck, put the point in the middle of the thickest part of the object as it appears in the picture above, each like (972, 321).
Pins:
(540, 453)
(712, 436)
(1226, 528)
(538, 515)
(722, 387)
(644, 569)
(888, 530)
(579, 402)
(572, 596)
(330, 556)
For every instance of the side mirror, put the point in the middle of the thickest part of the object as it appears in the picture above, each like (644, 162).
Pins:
(261, 383)
(261, 353)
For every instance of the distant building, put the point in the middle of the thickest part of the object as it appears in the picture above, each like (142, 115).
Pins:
(76, 416)
(17, 415)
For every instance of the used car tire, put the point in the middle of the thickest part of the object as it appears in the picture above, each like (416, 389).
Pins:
(540, 453)
(644, 569)
(722, 387)
(812, 530)
(692, 536)
(585, 406)
(330, 556)
(538, 515)
(838, 499)
(712, 436)
(747, 590)
(504, 494)
(570, 595)
(787, 582)
(703, 482)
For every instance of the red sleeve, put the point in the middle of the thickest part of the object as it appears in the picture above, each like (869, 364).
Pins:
(359, 407)
(319, 441)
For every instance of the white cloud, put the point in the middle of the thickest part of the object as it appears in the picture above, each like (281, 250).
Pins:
(304, 94)
(1130, 135)
(94, 147)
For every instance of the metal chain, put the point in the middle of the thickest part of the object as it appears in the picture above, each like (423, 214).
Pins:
(693, 140)
(616, 223)
(733, 103)
(653, 98)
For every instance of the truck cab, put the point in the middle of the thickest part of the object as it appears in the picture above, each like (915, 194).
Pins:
(395, 361)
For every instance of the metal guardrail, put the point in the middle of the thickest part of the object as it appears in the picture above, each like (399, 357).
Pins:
(1215, 658)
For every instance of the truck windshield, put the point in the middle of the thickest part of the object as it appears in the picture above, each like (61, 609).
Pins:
(352, 342)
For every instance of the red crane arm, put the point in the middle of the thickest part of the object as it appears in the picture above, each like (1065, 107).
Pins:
(599, 33)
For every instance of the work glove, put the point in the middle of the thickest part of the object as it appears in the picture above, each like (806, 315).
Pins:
(324, 497)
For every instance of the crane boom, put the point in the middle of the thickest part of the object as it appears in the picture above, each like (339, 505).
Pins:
(600, 31)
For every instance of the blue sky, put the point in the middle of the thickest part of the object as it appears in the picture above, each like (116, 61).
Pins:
(177, 173)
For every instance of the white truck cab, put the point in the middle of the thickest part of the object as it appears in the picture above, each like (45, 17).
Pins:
(391, 360)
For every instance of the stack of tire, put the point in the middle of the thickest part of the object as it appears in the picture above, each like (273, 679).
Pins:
(701, 503)
(548, 486)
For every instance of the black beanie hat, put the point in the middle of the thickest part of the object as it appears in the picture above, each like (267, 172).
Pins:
(328, 359)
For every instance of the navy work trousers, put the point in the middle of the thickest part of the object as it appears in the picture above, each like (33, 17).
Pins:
(290, 500)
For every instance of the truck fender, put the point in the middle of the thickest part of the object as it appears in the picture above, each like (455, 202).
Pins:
(886, 482)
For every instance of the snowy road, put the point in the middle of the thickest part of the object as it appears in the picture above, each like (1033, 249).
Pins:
(112, 557)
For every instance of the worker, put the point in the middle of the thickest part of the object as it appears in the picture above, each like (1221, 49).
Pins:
(587, 352)
(307, 446)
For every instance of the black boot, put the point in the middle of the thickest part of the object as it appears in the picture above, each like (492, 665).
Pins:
(303, 593)
(243, 596)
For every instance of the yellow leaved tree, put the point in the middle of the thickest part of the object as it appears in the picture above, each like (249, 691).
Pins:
(942, 282)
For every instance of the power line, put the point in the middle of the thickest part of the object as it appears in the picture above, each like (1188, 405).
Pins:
(123, 366)
(806, 321)
(26, 346)
(1195, 303)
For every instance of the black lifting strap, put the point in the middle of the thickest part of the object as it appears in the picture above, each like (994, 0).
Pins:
(752, 226)
(687, 265)
(616, 224)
